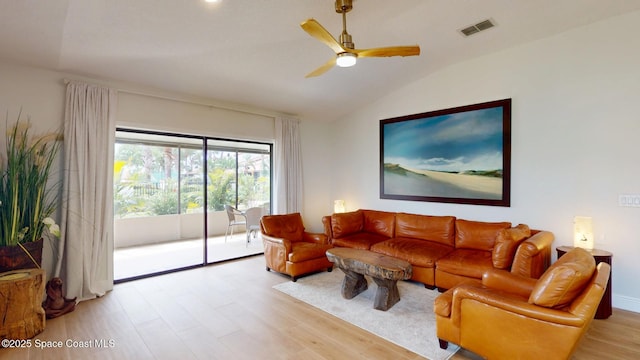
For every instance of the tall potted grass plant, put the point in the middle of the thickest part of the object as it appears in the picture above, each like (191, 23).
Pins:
(27, 198)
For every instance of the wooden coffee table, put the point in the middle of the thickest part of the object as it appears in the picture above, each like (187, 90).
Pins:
(385, 271)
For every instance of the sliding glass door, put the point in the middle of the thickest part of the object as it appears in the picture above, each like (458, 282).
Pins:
(170, 192)
(239, 175)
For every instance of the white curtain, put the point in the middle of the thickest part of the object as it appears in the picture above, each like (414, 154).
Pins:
(287, 167)
(85, 260)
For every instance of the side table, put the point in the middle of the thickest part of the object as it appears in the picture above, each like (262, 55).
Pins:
(605, 307)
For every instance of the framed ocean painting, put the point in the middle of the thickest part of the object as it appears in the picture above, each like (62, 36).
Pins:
(457, 155)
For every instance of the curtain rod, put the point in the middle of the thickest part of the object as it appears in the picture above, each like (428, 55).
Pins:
(192, 102)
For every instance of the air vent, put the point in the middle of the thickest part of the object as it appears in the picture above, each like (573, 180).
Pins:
(481, 26)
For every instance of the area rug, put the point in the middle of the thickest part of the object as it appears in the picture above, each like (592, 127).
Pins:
(410, 323)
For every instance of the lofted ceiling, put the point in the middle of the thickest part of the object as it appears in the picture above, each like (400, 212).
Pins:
(254, 53)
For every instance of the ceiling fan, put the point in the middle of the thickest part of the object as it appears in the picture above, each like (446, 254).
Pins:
(346, 54)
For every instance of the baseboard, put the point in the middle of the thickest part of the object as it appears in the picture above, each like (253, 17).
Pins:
(626, 303)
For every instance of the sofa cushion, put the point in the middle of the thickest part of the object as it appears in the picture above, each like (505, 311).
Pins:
(361, 240)
(564, 280)
(478, 235)
(466, 262)
(379, 222)
(343, 224)
(506, 245)
(439, 229)
(303, 251)
(288, 226)
(417, 252)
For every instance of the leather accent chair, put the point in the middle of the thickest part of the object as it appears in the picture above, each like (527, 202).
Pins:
(290, 250)
(514, 317)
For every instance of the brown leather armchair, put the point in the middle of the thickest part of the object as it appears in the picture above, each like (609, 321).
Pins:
(290, 250)
(513, 317)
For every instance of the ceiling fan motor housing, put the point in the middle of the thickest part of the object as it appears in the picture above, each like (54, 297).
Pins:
(346, 41)
(344, 6)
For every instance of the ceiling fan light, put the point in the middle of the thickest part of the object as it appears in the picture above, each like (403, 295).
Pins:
(346, 59)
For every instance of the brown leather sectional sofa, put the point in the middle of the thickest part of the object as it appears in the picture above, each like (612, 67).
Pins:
(444, 251)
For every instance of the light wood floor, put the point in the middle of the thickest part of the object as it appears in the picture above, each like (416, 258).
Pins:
(230, 311)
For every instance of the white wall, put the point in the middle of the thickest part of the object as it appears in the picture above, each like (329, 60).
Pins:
(575, 130)
(318, 173)
(40, 96)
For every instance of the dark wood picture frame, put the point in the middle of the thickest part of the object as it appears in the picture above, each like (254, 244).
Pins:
(458, 155)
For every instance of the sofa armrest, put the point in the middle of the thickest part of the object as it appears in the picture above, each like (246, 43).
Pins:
(512, 304)
(326, 221)
(533, 256)
(272, 241)
(506, 281)
(276, 252)
(317, 238)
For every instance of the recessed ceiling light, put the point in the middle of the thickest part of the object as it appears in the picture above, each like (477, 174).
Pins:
(212, 1)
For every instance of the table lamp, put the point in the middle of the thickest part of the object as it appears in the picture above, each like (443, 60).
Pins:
(583, 232)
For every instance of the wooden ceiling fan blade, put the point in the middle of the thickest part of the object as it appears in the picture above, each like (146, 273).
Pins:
(322, 69)
(389, 51)
(313, 28)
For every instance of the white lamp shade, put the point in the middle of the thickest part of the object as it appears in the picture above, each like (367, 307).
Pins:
(583, 232)
(338, 206)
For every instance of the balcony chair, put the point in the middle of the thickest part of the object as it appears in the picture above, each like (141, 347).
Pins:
(290, 250)
(236, 218)
(513, 317)
(253, 216)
